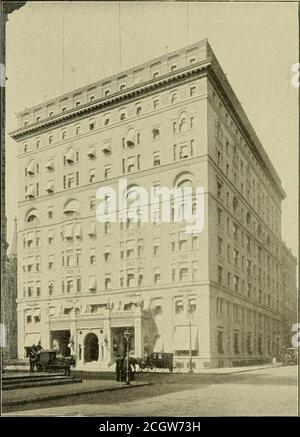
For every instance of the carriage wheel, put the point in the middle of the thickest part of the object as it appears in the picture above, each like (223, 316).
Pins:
(40, 367)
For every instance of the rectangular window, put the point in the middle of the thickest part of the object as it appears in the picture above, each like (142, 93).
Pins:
(220, 271)
(130, 282)
(92, 175)
(155, 103)
(219, 215)
(179, 307)
(236, 283)
(107, 282)
(220, 242)
(92, 124)
(107, 171)
(156, 159)
(157, 275)
(192, 91)
(156, 246)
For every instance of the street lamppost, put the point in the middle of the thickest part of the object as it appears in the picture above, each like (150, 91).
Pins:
(127, 337)
(190, 338)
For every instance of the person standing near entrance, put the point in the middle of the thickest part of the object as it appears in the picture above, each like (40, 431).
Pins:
(119, 367)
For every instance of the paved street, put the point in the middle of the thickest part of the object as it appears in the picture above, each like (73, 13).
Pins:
(264, 392)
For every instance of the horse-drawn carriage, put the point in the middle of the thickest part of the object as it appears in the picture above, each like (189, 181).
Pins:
(47, 360)
(157, 360)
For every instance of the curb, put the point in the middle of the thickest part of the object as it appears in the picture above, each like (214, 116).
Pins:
(65, 395)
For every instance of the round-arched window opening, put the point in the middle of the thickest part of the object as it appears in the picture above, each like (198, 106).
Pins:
(32, 218)
(71, 208)
(186, 183)
(91, 348)
(235, 203)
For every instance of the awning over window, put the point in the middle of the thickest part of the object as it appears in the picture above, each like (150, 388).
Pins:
(107, 249)
(130, 139)
(37, 312)
(30, 168)
(31, 339)
(30, 191)
(182, 338)
(50, 187)
(69, 231)
(92, 283)
(92, 229)
(72, 206)
(50, 165)
(106, 148)
(92, 152)
(70, 156)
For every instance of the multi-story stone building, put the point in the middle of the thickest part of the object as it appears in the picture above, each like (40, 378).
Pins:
(173, 121)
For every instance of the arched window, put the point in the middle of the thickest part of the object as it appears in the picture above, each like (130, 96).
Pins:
(30, 169)
(130, 138)
(72, 208)
(70, 156)
(183, 122)
(32, 217)
(184, 179)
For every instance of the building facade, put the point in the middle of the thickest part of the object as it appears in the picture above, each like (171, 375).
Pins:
(173, 121)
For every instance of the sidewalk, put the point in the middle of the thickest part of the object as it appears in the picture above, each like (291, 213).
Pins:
(38, 394)
(229, 370)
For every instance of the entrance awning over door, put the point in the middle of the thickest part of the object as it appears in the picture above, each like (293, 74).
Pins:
(182, 338)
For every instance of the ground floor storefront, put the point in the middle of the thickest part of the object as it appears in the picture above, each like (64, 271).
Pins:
(94, 332)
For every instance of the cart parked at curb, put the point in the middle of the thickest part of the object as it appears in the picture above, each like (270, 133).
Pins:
(157, 360)
(47, 360)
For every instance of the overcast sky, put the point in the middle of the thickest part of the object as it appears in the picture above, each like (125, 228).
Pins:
(256, 44)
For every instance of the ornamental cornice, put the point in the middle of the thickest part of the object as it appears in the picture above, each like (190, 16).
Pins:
(110, 102)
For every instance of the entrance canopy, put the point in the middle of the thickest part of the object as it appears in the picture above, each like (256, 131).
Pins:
(182, 338)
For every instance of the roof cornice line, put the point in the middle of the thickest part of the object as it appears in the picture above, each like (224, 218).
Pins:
(114, 99)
